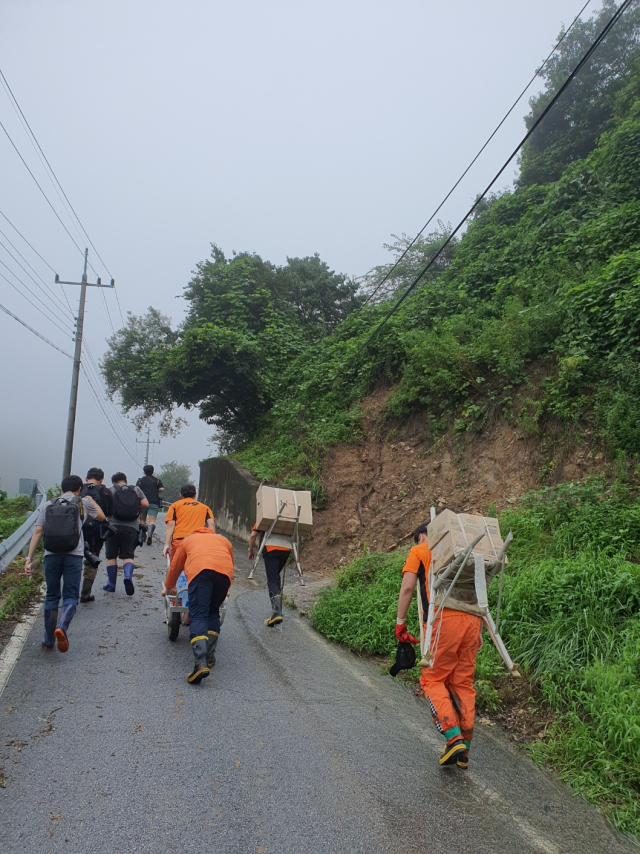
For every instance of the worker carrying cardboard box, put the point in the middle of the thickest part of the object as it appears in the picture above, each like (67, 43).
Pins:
(281, 515)
(448, 684)
(275, 551)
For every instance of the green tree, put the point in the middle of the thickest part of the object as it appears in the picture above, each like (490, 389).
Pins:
(247, 321)
(571, 129)
(173, 476)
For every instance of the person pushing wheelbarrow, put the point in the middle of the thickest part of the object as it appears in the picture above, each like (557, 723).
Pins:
(207, 561)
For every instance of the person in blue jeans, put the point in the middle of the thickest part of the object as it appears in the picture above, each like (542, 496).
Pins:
(62, 570)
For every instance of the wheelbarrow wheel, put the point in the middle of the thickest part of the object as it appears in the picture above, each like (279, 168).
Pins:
(174, 626)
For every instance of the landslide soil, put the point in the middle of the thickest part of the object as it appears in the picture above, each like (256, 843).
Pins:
(378, 489)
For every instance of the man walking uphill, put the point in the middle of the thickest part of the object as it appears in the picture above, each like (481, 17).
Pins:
(92, 531)
(122, 542)
(275, 553)
(184, 517)
(448, 683)
(207, 561)
(60, 521)
(152, 487)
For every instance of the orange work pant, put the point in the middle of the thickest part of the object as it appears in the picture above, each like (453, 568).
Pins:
(448, 685)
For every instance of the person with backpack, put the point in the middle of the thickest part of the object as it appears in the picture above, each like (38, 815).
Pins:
(92, 530)
(122, 537)
(152, 487)
(60, 523)
(184, 517)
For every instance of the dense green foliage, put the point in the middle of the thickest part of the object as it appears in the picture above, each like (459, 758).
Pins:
(246, 323)
(541, 291)
(585, 109)
(570, 617)
(13, 512)
(174, 475)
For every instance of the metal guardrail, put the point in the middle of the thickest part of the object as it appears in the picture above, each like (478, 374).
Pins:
(14, 544)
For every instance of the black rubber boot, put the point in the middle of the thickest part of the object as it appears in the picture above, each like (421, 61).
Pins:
(150, 534)
(211, 648)
(276, 616)
(452, 752)
(200, 670)
(127, 570)
(50, 623)
(85, 593)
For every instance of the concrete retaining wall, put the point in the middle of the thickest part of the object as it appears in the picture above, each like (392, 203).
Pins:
(230, 491)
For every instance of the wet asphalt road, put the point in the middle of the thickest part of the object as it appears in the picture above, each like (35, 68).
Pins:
(291, 745)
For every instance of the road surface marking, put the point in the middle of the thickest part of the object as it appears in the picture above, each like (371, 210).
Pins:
(12, 650)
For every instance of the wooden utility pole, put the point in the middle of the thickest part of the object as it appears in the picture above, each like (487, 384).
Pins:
(75, 374)
(148, 442)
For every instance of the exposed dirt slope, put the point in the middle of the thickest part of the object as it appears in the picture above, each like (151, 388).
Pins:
(381, 488)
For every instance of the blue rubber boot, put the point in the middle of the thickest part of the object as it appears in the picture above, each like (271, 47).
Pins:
(50, 623)
(66, 615)
(128, 579)
(112, 574)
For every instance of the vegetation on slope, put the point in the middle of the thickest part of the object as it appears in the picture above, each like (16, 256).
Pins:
(570, 618)
(16, 590)
(545, 278)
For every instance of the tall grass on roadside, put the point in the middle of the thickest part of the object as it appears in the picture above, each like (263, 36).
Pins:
(360, 610)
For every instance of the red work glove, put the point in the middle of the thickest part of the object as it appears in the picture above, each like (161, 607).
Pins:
(403, 635)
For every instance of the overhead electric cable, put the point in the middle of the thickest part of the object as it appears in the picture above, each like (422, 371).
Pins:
(26, 165)
(123, 425)
(19, 109)
(620, 10)
(37, 307)
(60, 190)
(106, 415)
(35, 332)
(44, 261)
(466, 171)
(45, 290)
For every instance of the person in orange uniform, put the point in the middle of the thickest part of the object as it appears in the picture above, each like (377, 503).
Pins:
(207, 561)
(276, 553)
(448, 684)
(184, 517)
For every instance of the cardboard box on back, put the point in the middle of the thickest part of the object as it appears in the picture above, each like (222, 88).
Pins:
(268, 503)
(450, 533)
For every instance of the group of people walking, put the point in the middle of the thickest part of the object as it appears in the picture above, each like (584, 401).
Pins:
(77, 523)
(87, 515)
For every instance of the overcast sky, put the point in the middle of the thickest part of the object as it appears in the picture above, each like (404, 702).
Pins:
(281, 127)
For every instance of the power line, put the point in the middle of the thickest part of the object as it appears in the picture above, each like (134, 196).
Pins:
(51, 297)
(464, 174)
(620, 10)
(122, 424)
(31, 329)
(106, 415)
(37, 308)
(44, 261)
(60, 190)
(19, 109)
(57, 215)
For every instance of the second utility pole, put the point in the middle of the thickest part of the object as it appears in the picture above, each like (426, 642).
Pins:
(75, 375)
(148, 442)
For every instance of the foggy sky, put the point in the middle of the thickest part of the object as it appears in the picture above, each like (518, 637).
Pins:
(280, 127)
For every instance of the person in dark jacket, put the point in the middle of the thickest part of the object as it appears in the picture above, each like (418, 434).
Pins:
(92, 530)
(152, 487)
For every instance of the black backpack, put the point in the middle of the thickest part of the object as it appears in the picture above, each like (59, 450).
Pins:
(126, 504)
(61, 528)
(101, 494)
